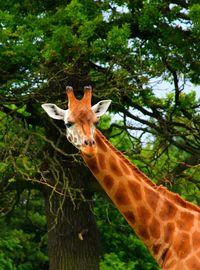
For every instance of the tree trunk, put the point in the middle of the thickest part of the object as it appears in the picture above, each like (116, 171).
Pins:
(73, 242)
(73, 239)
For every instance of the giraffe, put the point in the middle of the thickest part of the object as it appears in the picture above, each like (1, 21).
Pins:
(167, 224)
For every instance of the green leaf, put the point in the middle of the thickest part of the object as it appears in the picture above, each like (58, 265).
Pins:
(3, 167)
(11, 180)
(11, 106)
(23, 111)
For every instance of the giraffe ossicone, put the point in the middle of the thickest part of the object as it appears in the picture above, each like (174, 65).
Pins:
(167, 224)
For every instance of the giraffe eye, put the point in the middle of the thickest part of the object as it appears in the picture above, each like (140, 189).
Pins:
(69, 124)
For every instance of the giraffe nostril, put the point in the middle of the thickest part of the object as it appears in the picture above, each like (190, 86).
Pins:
(92, 142)
(86, 142)
(89, 142)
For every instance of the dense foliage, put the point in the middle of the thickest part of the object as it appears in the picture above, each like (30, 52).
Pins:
(144, 55)
(23, 232)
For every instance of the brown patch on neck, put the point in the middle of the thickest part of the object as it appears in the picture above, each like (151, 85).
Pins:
(144, 215)
(185, 221)
(182, 245)
(143, 233)
(156, 248)
(93, 165)
(100, 143)
(102, 161)
(135, 189)
(121, 196)
(125, 168)
(195, 240)
(168, 211)
(114, 166)
(129, 217)
(152, 197)
(108, 181)
(164, 254)
(154, 228)
(169, 229)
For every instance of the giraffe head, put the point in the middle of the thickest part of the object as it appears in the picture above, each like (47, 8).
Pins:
(80, 118)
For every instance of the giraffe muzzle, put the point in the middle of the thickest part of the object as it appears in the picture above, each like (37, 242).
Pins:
(89, 142)
(89, 147)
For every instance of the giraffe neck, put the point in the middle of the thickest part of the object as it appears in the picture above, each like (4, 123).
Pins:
(150, 210)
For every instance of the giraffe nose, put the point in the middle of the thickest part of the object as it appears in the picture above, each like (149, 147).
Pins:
(89, 142)
(89, 147)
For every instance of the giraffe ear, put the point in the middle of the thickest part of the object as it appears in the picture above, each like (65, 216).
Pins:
(101, 107)
(54, 111)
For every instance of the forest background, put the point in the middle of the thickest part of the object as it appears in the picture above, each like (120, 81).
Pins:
(145, 56)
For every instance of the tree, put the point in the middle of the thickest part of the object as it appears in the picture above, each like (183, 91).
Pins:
(19, 239)
(31, 49)
(122, 48)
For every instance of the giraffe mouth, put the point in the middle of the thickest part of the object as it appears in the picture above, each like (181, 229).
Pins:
(89, 150)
